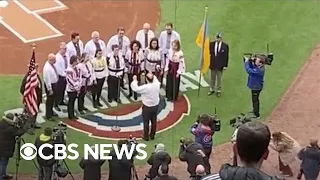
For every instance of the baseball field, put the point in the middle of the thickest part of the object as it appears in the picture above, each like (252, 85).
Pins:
(289, 101)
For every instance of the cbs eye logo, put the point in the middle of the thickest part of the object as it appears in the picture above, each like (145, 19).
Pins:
(28, 151)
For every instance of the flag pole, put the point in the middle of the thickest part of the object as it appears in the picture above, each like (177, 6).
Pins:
(175, 14)
(203, 41)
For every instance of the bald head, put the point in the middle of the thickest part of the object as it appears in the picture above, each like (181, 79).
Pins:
(51, 58)
(146, 27)
(200, 169)
(149, 77)
(313, 142)
(95, 35)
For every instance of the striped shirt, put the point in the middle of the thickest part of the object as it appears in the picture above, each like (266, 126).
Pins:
(73, 79)
(211, 177)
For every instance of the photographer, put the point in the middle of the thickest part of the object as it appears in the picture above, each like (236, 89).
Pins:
(8, 134)
(255, 70)
(120, 169)
(158, 158)
(91, 168)
(193, 153)
(45, 166)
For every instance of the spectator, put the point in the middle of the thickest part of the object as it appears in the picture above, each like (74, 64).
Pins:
(287, 148)
(91, 167)
(163, 174)
(200, 172)
(252, 143)
(158, 158)
(310, 157)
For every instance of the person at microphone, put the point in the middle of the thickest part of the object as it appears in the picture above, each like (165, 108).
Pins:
(73, 78)
(150, 100)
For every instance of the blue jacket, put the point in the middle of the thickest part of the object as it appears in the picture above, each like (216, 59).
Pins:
(203, 135)
(256, 76)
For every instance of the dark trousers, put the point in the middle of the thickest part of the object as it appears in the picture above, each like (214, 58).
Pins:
(207, 152)
(149, 114)
(172, 87)
(51, 100)
(97, 90)
(81, 96)
(130, 78)
(285, 169)
(255, 102)
(72, 98)
(45, 173)
(62, 83)
(114, 84)
(3, 167)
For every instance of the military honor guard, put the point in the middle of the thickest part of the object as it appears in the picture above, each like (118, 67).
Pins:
(134, 59)
(62, 63)
(219, 58)
(150, 93)
(99, 65)
(87, 79)
(116, 65)
(154, 59)
(50, 78)
(94, 44)
(175, 66)
(73, 85)
(144, 36)
(75, 46)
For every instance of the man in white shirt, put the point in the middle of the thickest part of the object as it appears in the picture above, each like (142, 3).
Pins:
(121, 40)
(75, 46)
(94, 44)
(167, 37)
(150, 100)
(50, 78)
(62, 63)
(144, 36)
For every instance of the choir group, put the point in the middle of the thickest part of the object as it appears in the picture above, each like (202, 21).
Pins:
(78, 68)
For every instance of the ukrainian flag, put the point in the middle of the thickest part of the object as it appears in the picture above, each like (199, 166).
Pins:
(202, 42)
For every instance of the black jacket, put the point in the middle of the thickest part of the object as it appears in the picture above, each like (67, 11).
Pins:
(38, 89)
(46, 151)
(193, 158)
(165, 177)
(8, 134)
(156, 160)
(220, 60)
(91, 168)
(228, 172)
(310, 164)
(119, 169)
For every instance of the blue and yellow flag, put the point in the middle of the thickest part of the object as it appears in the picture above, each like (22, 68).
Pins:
(202, 42)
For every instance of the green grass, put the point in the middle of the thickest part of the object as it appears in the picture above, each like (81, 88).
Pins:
(290, 27)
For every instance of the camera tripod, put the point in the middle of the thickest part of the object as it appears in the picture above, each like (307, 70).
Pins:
(56, 177)
(18, 156)
(134, 174)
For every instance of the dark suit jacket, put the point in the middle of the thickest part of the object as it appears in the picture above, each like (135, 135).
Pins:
(38, 89)
(219, 61)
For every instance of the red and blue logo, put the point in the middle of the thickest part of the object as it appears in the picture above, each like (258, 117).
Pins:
(129, 118)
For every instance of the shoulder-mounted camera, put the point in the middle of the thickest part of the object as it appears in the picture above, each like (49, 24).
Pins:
(267, 57)
(212, 121)
(239, 120)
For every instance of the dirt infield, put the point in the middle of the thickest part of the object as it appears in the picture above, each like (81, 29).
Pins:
(82, 16)
(297, 113)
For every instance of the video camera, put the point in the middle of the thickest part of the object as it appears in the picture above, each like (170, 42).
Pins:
(214, 121)
(267, 57)
(239, 120)
(60, 133)
(20, 120)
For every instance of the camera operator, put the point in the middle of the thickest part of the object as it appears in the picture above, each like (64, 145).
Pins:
(91, 167)
(45, 166)
(120, 169)
(193, 153)
(255, 69)
(8, 134)
(252, 143)
(164, 174)
(158, 158)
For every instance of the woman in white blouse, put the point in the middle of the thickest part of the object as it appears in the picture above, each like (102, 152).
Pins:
(174, 68)
(155, 61)
(99, 65)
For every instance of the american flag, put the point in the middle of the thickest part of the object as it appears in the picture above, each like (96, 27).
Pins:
(30, 94)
